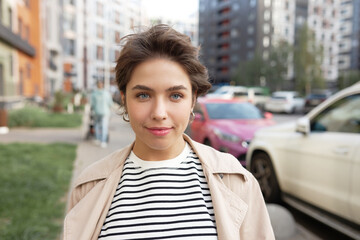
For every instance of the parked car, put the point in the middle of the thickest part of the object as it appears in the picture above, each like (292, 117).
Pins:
(315, 98)
(314, 164)
(228, 92)
(285, 101)
(256, 95)
(227, 124)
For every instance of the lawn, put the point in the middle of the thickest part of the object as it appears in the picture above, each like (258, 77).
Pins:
(34, 181)
(31, 116)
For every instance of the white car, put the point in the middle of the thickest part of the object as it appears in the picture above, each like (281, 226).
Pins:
(314, 164)
(228, 92)
(254, 95)
(285, 101)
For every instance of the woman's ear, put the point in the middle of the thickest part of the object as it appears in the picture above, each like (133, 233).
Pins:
(122, 94)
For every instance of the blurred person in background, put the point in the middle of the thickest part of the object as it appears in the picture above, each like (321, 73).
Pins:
(101, 104)
(164, 185)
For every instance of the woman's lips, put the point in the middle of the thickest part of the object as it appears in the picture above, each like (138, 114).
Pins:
(159, 131)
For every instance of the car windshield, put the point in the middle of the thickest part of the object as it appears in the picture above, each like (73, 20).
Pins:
(233, 111)
(279, 97)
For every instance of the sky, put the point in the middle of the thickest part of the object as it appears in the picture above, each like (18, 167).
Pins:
(170, 8)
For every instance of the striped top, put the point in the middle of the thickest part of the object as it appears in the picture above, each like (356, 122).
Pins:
(167, 199)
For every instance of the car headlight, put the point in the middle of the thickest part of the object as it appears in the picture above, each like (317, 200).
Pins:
(226, 136)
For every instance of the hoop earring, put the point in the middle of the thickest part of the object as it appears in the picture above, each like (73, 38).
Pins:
(126, 117)
(192, 116)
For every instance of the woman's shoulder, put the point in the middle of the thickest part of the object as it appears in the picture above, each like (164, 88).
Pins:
(102, 168)
(218, 162)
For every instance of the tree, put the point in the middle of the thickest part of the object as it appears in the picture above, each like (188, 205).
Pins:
(271, 69)
(277, 65)
(348, 78)
(307, 62)
(249, 72)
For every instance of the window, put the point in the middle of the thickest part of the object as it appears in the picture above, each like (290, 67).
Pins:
(28, 70)
(70, 47)
(341, 116)
(10, 19)
(2, 85)
(266, 41)
(117, 17)
(27, 33)
(1, 11)
(99, 31)
(117, 37)
(27, 3)
(99, 9)
(266, 28)
(267, 15)
(20, 27)
(99, 53)
(11, 65)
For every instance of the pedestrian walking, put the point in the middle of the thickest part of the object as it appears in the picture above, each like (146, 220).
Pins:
(164, 185)
(101, 103)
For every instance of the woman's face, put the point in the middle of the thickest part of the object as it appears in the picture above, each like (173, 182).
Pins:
(159, 103)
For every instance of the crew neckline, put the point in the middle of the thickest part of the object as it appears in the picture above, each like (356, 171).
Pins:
(174, 162)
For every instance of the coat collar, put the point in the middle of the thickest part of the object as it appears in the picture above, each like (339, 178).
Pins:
(109, 163)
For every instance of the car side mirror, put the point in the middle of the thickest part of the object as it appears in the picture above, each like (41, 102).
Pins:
(303, 125)
(199, 117)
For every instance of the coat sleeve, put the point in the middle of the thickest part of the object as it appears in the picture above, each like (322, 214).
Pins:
(256, 224)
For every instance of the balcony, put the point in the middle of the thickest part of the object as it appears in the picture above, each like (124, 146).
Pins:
(14, 40)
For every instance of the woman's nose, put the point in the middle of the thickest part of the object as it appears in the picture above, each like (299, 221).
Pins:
(159, 111)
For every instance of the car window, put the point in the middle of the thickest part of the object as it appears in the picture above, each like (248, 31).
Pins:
(239, 94)
(197, 109)
(233, 111)
(341, 116)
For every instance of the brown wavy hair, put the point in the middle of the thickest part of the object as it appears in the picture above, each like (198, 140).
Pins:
(161, 41)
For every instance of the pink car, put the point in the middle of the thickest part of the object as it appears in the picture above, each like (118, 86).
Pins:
(227, 125)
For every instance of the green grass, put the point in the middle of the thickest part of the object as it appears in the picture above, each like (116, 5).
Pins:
(34, 181)
(31, 116)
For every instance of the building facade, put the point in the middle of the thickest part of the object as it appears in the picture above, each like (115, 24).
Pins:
(324, 20)
(30, 78)
(51, 16)
(20, 67)
(231, 31)
(91, 34)
(349, 49)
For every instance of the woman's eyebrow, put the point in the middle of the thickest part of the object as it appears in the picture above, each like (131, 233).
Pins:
(176, 88)
(142, 87)
(170, 89)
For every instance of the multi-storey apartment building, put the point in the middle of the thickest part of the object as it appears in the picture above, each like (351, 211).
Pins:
(349, 45)
(108, 21)
(91, 34)
(324, 20)
(231, 31)
(29, 67)
(51, 15)
(19, 50)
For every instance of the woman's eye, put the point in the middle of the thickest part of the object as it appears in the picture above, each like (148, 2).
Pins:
(176, 96)
(142, 96)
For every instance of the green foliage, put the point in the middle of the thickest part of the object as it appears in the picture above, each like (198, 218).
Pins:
(32, 116)
(34, 181)
(346, 79)
(269, 72)
(308, 56)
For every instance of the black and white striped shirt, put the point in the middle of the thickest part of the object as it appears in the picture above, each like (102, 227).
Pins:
(167, 199)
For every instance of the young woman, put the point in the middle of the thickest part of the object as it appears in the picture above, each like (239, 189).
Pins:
(164, 185)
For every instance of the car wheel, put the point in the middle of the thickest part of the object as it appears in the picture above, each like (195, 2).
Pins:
(207, 142)
(261, 167)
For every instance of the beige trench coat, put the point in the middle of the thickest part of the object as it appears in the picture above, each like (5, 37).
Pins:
(240, 210)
